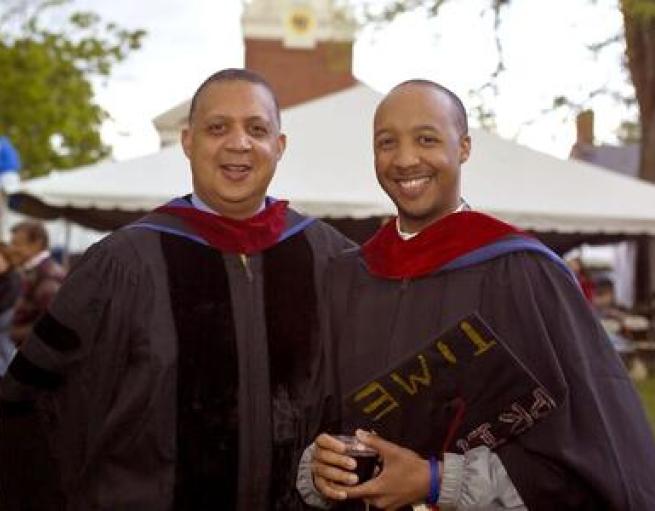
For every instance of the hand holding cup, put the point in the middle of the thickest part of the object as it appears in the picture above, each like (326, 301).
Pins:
(336, 461)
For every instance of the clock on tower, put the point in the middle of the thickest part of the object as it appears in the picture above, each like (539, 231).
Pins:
(300, 26)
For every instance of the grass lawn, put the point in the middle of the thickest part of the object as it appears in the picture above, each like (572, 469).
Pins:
(646, 389)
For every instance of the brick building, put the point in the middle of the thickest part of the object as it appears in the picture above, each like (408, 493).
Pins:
(304, 48)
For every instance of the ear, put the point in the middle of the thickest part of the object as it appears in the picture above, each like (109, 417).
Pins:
(185, 139)
(464, 148)
(281, 145)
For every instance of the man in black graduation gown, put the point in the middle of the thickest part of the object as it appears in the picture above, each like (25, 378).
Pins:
(173, 369)
(420, 275)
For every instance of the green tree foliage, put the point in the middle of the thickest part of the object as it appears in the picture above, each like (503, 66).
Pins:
(47, 103)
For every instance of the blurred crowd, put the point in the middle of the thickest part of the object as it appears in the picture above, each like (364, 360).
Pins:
(29, 279)
(631, 333)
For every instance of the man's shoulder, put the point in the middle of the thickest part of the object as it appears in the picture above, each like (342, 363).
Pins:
(128, 247)
(347, 262)
(516, 248)
(325, 235)
(126, 239)
(325, 228)
(528, 265)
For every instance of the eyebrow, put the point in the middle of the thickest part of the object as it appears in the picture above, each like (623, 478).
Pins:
(252, 118)
(420, 127)
(260, 118)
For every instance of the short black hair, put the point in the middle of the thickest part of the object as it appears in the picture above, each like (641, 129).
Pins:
(34, 231)
(462, 118)
(233, 75)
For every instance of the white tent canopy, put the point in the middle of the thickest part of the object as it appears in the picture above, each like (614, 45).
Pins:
(327, 171)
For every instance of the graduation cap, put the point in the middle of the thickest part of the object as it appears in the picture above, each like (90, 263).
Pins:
(463, 389)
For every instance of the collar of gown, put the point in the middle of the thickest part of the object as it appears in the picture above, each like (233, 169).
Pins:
(248, 236)
(387, 255)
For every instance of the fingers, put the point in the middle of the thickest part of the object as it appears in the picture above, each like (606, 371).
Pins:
(331, 458)
(378, 443)
(333, 474)
(331, 468)
(367, 490)
(329, 451)
(375, 493)
(327, 442)
(329, 490)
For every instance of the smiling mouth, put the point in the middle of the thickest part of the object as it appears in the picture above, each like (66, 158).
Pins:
(233, 167)
(413, 185)
(235, 172)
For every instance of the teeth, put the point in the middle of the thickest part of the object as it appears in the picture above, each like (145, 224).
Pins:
(412, 184)
(236, 167)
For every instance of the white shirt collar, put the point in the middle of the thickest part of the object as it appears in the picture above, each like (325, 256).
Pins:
(36, 260)
(198, 203)
(409, 235)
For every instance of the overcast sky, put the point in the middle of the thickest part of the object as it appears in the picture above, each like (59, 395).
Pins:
(544, 44)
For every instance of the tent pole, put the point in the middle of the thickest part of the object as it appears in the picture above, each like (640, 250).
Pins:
(67, 243)
(4, 208)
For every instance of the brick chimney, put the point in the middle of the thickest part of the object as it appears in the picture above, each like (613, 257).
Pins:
(303, 48)
(584, 142)
(585, 127)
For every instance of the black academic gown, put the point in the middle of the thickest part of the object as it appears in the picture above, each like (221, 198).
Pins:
(170, 375)
(595, 451)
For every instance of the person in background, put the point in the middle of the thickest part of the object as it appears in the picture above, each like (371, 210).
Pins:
(42, 276)
(622, 326)
(584, 280)
(10, 286)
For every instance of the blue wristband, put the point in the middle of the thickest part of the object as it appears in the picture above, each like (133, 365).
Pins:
(433, 496)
